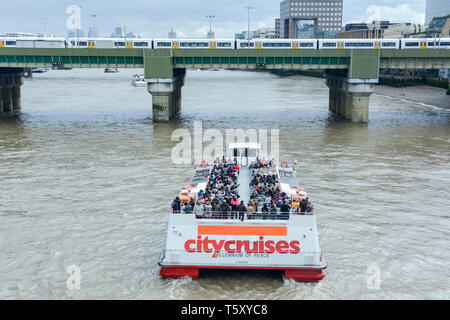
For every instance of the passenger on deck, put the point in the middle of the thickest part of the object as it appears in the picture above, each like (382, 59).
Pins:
(241, 210)
(309, 206)
(303, 204)
(176, 205)
(225, 210)
(295, 205)
(255, 203)
(265, 210)
(187, 208)
(234, 203)
(285, 208)
(208, 209)
(199, 209)
(273, 208)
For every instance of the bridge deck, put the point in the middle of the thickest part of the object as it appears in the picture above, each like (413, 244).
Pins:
(158, 63)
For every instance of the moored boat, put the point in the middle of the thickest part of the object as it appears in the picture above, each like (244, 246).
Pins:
(214, 224)
(111, 70)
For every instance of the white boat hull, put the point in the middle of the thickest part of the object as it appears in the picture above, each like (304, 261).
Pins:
(290, 245)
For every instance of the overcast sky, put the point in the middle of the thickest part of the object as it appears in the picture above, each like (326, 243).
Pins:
(154, 18)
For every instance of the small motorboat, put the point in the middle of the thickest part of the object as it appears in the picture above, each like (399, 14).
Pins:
(111, 70)
(39, 70)
(138, 81)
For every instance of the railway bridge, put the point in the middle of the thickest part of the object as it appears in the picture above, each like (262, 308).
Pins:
(350, 73)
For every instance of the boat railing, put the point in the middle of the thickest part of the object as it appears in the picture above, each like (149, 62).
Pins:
(246, 216)
(233, 215)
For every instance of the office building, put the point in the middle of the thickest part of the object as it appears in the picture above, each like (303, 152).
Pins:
(382, 29)
(310, 18)
(119, 32)
(439, 27)
(79, 33)
(277, 28)
(172, 34)
(436, 8)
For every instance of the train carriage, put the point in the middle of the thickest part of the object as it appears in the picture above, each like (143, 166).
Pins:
(194, 44)
(31, 42)
(425, 43)
(358, 44)
(110, 43)
(296, 44)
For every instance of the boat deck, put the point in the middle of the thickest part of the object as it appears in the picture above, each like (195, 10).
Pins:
(244, 184)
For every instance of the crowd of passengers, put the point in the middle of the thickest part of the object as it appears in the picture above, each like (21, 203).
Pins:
(220, 199)
(267, 198)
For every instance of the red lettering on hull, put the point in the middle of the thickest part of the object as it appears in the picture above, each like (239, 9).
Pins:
(238, 246)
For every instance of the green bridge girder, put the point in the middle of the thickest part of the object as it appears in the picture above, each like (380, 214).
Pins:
(159, 63)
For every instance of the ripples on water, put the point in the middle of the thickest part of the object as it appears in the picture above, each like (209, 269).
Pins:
(86, 179)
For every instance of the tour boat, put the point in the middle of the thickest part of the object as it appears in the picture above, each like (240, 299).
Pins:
(260, 241)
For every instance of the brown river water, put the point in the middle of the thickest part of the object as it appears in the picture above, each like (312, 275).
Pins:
(86, 179)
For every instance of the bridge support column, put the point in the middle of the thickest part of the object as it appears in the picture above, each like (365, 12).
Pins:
(331, 101)
(10, 95)
(7, 99)
(166, 96)
(16, 93)
(349, 98)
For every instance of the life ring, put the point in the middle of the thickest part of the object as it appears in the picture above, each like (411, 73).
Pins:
(204, 164)
(284, 164)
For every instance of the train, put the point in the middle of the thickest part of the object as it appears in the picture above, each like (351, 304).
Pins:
(225, 44)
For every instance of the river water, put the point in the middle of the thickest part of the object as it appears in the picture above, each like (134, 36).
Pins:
(86, 179)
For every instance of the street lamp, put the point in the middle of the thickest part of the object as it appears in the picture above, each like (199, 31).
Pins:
(44, 24)
(210, 35)
(93, 16)
(78, 27)
(248, 30)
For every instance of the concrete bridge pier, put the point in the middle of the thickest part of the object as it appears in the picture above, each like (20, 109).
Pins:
(16, 93)
(10, 95)
(166, 96)
(349, 98)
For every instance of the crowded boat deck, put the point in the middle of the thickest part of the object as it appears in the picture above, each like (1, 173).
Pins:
(243, 212)
(227, 191)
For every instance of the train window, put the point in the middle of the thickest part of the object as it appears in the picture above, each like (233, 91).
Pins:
(306, 44)
(82, 43)
(272, 45)
(432, 44)
(10, 43)
(329, 44)
(141, 44)
(72, 42)
(224, 44)
(411, 44)
(358, 44)
(195, 44)
(388, 44)
(245, 44)
(164, 44)
(119, 44)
